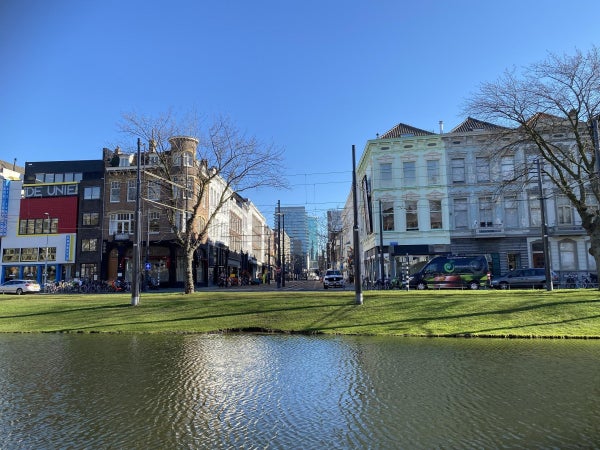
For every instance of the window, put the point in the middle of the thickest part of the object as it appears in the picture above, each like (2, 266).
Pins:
(482, 168)
(433, 171)
(435, 214)
(51, 253)
(181, 221)
(461, 213)
(567, 250)
(535, 213)
(49, 178)
(154, 222)
(121, 223)
(39, 225)
(511, 212)
(410, 173)
(131, 190)
(486, 217)
(47, 225)
(59, 177)
(508, 168)
(89, 245)
(175, 188)
(387, 213)
(187, 160)
(10, 255)
(412, 218)
(115, 191)
(457, 167)
(183, 160)
(153, 190)
(89, 270)
(69, 177)
(29, 254)
(564, 211)
(91, 193)
(385, 171)
(189, 192)
(91, 219)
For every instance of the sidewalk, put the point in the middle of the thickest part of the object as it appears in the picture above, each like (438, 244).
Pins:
(293, 285)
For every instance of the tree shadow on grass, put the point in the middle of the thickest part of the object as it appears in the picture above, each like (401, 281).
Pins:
(441, 318)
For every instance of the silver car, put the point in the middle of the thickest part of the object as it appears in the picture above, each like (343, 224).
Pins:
(19, 287)
(524, 278)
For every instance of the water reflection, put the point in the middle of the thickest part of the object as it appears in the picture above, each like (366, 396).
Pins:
(252, 391)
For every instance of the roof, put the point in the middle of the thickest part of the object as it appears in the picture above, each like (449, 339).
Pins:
(471, 124)
(11, 166)
(403, 130)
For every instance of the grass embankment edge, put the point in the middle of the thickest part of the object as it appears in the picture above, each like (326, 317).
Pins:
(560, 314)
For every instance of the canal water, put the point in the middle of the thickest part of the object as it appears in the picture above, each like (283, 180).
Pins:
(296, 392)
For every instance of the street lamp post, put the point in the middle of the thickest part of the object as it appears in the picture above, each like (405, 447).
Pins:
(278, 214)
(283, 247)
(46, 257)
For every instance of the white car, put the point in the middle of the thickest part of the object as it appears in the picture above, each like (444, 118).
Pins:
(333, 278)
(19, 287)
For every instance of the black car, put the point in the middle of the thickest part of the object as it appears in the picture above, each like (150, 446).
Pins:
(524, 278)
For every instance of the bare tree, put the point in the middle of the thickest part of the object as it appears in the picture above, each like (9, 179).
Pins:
(222, 155)
(551, 108)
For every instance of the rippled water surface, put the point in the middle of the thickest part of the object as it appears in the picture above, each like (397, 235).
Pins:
(257, 391)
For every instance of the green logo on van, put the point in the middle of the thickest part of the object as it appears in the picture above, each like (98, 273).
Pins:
(449, 267)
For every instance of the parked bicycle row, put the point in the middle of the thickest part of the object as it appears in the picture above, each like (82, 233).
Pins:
(87, 287)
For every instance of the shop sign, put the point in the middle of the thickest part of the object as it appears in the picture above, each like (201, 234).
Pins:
(50, 190)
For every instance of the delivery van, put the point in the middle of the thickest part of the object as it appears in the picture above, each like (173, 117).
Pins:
(452, 272)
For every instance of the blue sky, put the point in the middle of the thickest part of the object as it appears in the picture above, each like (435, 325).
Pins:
(313, 76)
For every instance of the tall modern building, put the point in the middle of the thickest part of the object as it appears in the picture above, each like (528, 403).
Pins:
(295, 220)
(314, 243)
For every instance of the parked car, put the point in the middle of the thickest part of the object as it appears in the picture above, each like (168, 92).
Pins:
(452, 272)
(524, 278)
(19, 287)
(333, 278)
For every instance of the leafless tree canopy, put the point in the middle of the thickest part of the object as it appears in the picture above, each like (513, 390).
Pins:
(240, 162)
(548, 109)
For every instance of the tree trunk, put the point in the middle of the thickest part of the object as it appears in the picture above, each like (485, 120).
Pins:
(595, 249)
(189, 271)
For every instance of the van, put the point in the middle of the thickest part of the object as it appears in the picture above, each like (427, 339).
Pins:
(452, 272)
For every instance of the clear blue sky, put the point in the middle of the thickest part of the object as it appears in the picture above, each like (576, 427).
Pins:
(314, 76)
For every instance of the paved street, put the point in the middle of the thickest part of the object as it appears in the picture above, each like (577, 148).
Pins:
(296, 285)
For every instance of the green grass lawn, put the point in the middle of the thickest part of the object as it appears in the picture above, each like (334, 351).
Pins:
(523, 313)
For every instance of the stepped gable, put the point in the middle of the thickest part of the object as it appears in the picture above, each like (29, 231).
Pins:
(403, 130)
(471, 124)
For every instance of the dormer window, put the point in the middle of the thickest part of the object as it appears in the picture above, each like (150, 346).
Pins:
(125, 160)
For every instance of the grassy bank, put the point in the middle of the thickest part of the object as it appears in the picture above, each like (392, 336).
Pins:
(527, 313)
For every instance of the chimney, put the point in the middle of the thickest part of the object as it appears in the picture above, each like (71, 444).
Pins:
(441, 127)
